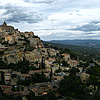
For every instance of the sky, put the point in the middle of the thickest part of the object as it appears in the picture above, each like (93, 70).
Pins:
(53, 19)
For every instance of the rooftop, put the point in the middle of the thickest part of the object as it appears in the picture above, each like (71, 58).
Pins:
(65, 54)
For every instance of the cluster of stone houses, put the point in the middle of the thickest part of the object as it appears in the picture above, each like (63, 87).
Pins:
(31, 48)
(11, 78)
(10, 35)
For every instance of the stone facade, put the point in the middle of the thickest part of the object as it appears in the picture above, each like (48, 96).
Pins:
(33, 56)
(66, 56)
(5, 28)
(53, 52)
(13, 56)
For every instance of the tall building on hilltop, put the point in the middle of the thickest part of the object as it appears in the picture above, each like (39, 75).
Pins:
(5, 28)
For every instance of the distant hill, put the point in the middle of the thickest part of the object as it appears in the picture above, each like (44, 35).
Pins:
(88, 43)
(78, 49)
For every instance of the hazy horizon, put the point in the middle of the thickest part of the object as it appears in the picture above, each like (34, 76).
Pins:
(73, 39)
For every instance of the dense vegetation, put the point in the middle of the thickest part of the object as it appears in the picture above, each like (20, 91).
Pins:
(71, 86)
(73, 89)
(79, 50)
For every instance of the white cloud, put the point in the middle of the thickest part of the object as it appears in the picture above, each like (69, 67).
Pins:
(52, 19)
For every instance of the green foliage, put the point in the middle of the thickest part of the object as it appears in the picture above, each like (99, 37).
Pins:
(15, 88)
(35, 36)
(24, 43)
(27, 41)
(38, 98)
(30, 48)
(32, 96)
(3, 65)
(42, 63)
(61, 56)
(56, 48)
(20, 82)
(23, 66)
(22, 36)
(89, 97)
(73, 71)
(93, 80)
(17, 98)
(71, 86)
(5, 43)
(65, 70)
(24, 82)
(51, 75)
(65, 50)
(2, 79)
(68, 98)
(4, 97)
(21, 39)
(51, 96)
(36, 62)
(11, 33)
(8, 97)
(1, 52)
(27, 82)
(58, 70)
(84, 65)
(81, 51)
(13, 75)
(94, 70)
(65, 64)
(38, 78)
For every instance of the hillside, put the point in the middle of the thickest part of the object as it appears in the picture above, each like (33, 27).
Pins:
(78, 49)
(88, 43)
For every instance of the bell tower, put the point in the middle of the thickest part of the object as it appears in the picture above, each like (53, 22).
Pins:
(4, 24)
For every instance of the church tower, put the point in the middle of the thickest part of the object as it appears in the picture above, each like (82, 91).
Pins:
(4, 24)
(5, 28)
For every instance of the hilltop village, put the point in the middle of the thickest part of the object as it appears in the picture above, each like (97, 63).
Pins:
(31, 69)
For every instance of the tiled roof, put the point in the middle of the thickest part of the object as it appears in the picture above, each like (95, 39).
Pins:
(8, 74)
(5, 86)
(65, 54)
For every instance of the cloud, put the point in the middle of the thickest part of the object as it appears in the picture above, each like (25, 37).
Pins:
(87, 27)
(95, 22)
(61, 36)
(17, 14)
(53, 19)
(89, 33)
(39, 1)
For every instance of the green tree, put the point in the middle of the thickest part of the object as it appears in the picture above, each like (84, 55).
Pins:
(58, 70)
(64, 63)
(42, 63)
(31, 95)
(51, 96)
(71, 86)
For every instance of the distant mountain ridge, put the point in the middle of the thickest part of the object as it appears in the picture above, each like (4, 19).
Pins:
(88, 42)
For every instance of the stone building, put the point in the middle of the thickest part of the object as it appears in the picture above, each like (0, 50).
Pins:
(5, 28)
(73, 63)
(7, 78)
(33, 56)
(13, 56)
(53, 52)
(66, 56)
(35, 42)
